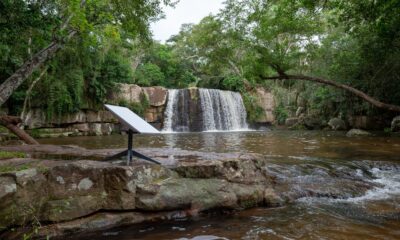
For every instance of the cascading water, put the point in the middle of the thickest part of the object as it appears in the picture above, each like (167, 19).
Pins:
(204, 110)
(169, 110)
(222, 110)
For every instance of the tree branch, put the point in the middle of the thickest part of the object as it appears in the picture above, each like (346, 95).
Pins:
(366, 97)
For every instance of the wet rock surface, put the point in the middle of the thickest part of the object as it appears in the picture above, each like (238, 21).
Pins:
(337, 124)
(64, 191)
(357, 133)
(396, 124)
(86, 195)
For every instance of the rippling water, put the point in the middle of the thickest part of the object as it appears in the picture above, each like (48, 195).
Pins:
(342, 188)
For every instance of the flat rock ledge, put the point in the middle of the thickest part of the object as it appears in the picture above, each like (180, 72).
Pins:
(74, 196)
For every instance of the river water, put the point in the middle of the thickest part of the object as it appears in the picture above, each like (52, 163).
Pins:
(340, 187)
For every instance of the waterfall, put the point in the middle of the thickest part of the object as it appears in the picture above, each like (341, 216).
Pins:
(169, 110)
(204, 110)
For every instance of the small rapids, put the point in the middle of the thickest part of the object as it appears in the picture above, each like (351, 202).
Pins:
(333, 180)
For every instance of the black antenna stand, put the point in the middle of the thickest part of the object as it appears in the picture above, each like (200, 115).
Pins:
(130, 152)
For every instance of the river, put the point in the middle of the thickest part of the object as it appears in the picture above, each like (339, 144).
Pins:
(324, 172)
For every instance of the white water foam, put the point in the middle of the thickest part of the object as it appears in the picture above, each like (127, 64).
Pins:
(220, 111)
(389, 181)
(169, 111)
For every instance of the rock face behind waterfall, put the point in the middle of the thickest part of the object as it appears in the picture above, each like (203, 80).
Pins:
(183, 113)
(193, 109)
(198, 109)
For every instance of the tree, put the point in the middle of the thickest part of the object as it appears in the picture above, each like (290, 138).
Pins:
(73, 38)
(99, 19)
(290, 39)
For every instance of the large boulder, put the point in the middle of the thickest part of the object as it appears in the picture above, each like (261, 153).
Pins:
(157, 95)
(313, 122)
(130, 93)
(22, 194)
(153, 115)
(357, 133)
(265, 100)
(337, 124)
(100, 117)
(186, 194)
(396, 124)
(35, 118)
(291, 121)
(71, 190)
(59, 191)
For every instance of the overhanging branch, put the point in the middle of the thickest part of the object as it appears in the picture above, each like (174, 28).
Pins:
(366, 97)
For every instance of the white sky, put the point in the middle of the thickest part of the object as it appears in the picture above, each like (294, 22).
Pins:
(186, 11)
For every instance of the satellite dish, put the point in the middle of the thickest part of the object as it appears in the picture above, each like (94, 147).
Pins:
(134, 124)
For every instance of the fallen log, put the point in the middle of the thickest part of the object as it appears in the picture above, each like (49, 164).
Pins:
(11, 123)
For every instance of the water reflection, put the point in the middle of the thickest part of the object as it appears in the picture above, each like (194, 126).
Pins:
(322, 145)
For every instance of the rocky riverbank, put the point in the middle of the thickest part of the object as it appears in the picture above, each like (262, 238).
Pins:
(63, 196)
(45, 194)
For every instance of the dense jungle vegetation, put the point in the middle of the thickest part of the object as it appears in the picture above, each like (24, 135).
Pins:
(248, 44)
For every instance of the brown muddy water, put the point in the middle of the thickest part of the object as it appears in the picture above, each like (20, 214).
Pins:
(321, 171)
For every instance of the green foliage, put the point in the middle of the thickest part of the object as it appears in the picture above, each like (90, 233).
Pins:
(149, 74)
(253, 110)
(140, 107)
(281, 114)
(84, 71)
(163, 67)
(233, 83)
(115, 68)
(7, 155)
(351, 42)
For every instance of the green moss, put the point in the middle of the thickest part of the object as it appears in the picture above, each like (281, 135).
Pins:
(17, 168)
(43, 169)
(3, 129)
(298, 127)
(249, 203)
(8, 155)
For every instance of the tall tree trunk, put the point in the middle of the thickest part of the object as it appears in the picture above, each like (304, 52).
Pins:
(11, 123)
(366, 97)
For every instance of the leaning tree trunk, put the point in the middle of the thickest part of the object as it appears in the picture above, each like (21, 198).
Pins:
(348, 88)
(18, 77)
(11, 123)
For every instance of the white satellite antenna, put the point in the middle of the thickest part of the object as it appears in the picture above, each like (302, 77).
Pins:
(134, 123)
